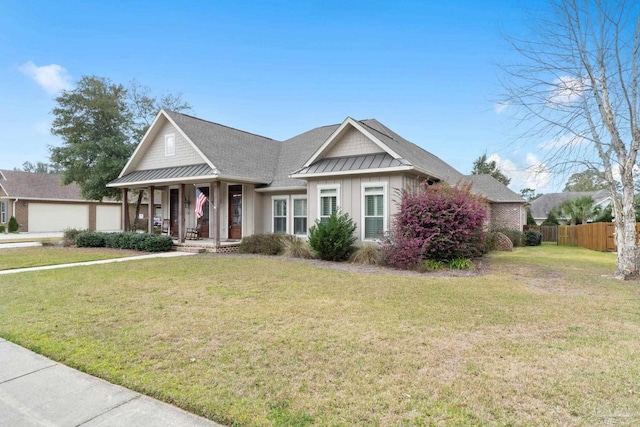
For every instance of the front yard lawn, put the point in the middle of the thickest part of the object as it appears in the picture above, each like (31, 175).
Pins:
(11, 258)
(542, 339)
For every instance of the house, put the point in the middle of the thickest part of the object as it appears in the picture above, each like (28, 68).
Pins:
(255, 184)
(41, 203)
(543, 205)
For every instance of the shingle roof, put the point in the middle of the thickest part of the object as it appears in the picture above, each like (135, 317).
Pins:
(541, 206)
(492, 189)
(420, 158)
(47, 186)
(234, 153)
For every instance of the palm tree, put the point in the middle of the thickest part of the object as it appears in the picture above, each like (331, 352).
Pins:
(581, 208)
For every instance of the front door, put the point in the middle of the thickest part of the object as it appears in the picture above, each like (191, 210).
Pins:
(174, 211)
(235, 212)
(204, 221)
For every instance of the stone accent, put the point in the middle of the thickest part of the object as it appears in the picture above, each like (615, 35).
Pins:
(501, 242)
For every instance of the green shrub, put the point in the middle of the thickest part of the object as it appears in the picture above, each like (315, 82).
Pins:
(489, 242)
(295, 247)
(70, 234)
(13, 225)
(533, 238)
(90, 239)
(461, 264)
(367, 254)
(263, 244)
(333, 240)
(155, 243)
(2, 229)
(516, 237)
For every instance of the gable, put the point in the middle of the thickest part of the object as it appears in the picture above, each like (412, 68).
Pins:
(154, 156)
(352, 142)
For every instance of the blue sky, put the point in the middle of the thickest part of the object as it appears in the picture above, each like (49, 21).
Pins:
(426, 69)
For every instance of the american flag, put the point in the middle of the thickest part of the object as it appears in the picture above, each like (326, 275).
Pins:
(201, 199)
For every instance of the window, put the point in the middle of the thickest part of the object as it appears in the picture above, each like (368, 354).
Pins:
(280, 216)
(170, 145)
(300, 216)
(328, 202)
(3, 212)
(373, 211)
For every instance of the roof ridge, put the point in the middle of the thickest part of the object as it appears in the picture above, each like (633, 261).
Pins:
(221, 125)
(376, 130)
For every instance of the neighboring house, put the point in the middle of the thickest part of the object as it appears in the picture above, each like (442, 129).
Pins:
(543, 205)
(40, 203)
(256, 184)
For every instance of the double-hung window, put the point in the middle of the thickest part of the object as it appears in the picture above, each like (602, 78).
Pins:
(3, 212)
(328, 203)
(299, 216)
(374, 211)
(280, 216)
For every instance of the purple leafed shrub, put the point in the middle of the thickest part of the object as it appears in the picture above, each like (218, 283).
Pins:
(435, 222)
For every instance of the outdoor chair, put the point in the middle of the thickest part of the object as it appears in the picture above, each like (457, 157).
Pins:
(165, 227)
(194, 233)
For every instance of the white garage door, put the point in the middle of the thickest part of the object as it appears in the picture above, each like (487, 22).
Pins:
(57, 217)
(108, 218)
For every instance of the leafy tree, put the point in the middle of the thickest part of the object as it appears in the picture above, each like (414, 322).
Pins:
(530, 219)
(587, 180)
(100, 123)
(577, 82)
(552, 219)
(39, 167)
(482, 166)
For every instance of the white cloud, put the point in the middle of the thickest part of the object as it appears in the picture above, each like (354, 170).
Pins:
(53, 78)
(532, 173)
(566, 90)
(500, 107)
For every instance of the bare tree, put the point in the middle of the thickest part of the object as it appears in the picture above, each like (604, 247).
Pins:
(577, 85)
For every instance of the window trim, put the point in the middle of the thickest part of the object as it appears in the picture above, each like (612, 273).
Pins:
(295, 197)
(170, 149)
(286, 213)
(4, 211)
(327, 187)
(385, 213)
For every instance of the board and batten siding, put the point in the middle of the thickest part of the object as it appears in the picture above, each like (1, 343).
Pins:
(154, 157)
(350, 200)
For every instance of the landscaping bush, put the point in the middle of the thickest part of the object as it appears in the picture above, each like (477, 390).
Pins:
(333, 239)
(70, 234)
(13, 225)
(295, 247)
(436, 222)
(430, 265)
(367, 254)
(2, 229)
(533, 238)
(263, 244)
(516, 237)
(90, 239)
(461, 264)
(138, 241)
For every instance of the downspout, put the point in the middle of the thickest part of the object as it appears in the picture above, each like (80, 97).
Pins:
(15, 202)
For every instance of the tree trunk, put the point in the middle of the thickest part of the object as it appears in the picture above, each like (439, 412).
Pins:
(627, 262)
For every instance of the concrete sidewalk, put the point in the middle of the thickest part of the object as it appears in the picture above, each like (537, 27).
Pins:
(36, 391)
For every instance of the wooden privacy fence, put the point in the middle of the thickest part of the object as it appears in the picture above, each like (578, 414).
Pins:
(598, 236)
(549, 232)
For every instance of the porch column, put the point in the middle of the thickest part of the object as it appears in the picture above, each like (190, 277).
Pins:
(181, 219)
(125, 209)
(216, 213)
(152, 208)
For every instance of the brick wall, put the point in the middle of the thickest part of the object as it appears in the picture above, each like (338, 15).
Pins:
(506, 215)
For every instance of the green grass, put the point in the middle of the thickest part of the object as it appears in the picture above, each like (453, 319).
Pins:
(11, 258)
(541, 339)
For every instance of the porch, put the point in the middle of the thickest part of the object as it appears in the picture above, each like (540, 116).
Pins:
(208, 245)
